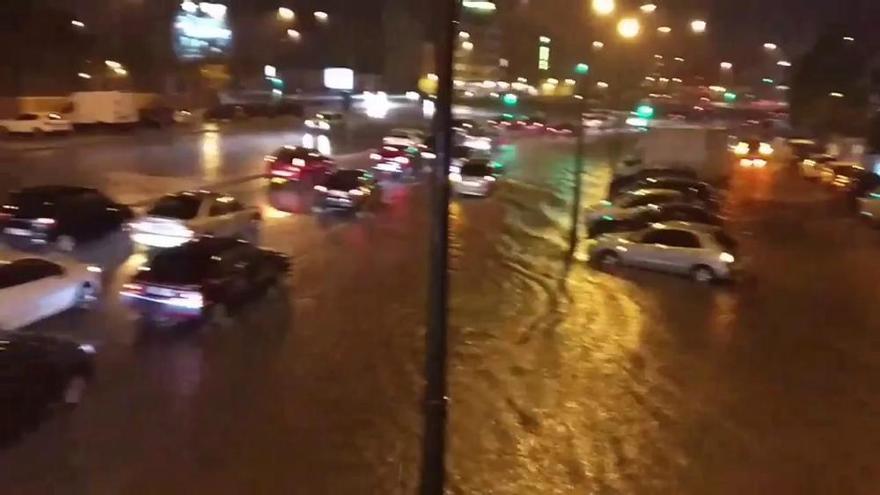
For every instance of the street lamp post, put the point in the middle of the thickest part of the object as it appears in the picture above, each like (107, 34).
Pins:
(433, 467)
(581, 70)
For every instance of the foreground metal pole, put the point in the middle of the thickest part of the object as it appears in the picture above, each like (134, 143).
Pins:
(578, 172)
(433, 469)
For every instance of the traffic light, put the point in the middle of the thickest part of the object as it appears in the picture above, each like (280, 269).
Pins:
(645, 111)
(730, 97)
(510, 99)
(581, 69)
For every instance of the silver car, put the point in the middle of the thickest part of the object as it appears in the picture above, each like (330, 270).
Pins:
(475, 178)
(703, 252)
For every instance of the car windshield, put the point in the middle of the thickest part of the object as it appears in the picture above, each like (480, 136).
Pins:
(476, 169)
(344, 180)
(178, 268)
(183, 207)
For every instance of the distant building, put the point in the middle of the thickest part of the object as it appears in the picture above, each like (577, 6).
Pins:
(479, 46)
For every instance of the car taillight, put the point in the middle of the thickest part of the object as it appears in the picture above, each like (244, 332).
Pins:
(132, 288)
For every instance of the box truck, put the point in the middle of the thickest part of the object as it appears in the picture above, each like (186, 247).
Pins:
(104, 108)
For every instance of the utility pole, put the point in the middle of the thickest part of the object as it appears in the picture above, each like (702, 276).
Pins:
(433, 468)
(578, 159)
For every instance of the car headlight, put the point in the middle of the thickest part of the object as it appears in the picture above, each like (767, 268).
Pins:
(727, 258)
(741, 149)
(810, 163)
(455, 177)
(765, 149)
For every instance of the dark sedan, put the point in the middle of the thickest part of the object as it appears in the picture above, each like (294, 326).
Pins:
(692, 189)
(65, 216)
(622, 182)
(349, 190)
(204, 279)
(36, 372)
(662, 213)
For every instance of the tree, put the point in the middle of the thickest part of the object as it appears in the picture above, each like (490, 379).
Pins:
(829, 88)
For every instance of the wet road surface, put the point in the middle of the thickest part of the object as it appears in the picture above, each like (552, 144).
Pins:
(563, 379)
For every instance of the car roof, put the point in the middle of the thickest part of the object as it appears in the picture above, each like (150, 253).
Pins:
(199, 194)
(55, 191)
(299, 152)
(205, 246)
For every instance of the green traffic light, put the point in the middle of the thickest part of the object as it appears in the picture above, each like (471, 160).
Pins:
(581, 69)
(729, 96)
(645, 111)
(510, 99)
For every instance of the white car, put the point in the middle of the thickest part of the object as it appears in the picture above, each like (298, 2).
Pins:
(36, 123)
(628, 204)
(177, 218)
(703, 252)
(325, 121)
(404, 137)
(475, 178)
(869, 205)
(33, 288)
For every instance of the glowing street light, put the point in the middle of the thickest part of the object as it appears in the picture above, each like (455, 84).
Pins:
(835, 94)
(464, 35)
(294, 34)
(648, 8)
(113, 64)
(602, 85)
(664, 29)
(433, 77)
(467, 46)
(848, 39)
(84, 75)
(726, 65)
(321, 17)
(784, 63)
(598, 45)
(629, 27)
(679, 59)
(77, 23)
(770, 46)
(544, 40)
(658, 56)
(285, 14)
(698, 26)
(603, 7)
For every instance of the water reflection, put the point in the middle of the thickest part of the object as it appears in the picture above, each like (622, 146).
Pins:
(210, 158)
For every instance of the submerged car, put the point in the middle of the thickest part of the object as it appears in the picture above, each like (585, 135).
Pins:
(643, 219)
(349, 190)
(180, 217)
(33, 288)
(204, 279)
(63, 216)
(703, 252)
(630, 203)
(476, 177)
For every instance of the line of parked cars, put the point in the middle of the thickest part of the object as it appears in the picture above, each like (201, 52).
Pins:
(859, 186)
(664, 220)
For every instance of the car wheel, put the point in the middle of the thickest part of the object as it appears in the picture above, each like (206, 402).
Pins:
(86, 296)
(65, 243)
(608, 259)
(702, 274)
(74, 390)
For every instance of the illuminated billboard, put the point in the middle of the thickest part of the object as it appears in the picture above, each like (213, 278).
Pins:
(340, 78)
(201, 31)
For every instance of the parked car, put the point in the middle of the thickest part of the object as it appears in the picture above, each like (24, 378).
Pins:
(621, 182)
(352, 190)
(205, 279)
(630, 203)
(644, 218)
(811, 167)
(703, 252)
(64, 216)
(694, 190)
(36, 372)
(34, 287)
(298, 164)
(475, 178)
(37, 123)
(178, 218)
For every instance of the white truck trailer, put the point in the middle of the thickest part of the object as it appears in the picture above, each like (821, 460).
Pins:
(114, 108)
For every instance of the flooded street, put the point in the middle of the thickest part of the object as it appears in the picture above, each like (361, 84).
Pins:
(563, 378)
